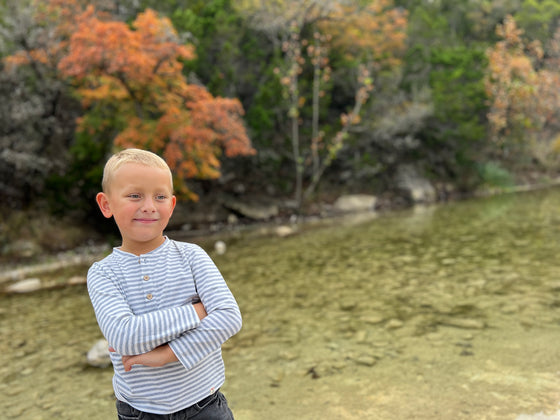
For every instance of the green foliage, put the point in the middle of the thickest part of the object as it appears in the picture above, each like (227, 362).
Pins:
(217, 32)
(538, 18)
(235, 61)
(454, 137)
(458, 93)
(439, 104)
(73, 192)
(493, 175)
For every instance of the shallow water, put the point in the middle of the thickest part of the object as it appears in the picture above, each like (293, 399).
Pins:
(445, 312)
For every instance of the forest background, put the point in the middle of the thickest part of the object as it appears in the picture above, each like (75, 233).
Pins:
(296, 101)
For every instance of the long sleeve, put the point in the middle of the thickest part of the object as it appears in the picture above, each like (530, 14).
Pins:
(143, 301)
(224, 316)
(126, 332)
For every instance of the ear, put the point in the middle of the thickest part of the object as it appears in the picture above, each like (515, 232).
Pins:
(103, 204)
(173, 203)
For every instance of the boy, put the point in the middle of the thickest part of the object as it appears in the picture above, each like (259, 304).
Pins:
(162, 305)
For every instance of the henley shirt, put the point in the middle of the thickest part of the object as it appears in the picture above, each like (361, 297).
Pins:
(142, 302)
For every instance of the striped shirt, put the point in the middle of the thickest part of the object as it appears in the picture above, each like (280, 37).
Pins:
(142, 302)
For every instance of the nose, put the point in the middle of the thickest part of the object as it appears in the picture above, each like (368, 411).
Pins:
(148, 205)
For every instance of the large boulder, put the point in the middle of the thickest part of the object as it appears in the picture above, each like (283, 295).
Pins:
(416, 188)
(252, 208)
(355, 203)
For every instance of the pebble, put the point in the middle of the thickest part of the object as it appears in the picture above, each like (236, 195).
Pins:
(365, 360)
(467, 323)
(372, 319)
(510, 309)
(283, 231)
(347, 305)
(288, 355)
(393, 324)
(220, 247)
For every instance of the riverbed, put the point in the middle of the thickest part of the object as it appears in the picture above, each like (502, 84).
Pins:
(442, 312)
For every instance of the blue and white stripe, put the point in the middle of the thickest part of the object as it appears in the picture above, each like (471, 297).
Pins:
(145, 301)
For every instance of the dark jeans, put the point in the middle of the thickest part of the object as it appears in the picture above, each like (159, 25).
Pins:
(214, 407)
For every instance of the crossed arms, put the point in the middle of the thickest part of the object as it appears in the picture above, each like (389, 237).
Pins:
(186, 333)
(159, 356)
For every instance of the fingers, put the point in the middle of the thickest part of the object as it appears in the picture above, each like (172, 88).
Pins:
(128, 362)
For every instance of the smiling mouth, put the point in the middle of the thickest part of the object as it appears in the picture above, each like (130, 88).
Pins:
(146, 220)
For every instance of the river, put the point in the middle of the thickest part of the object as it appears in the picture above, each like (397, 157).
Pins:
(443, 312)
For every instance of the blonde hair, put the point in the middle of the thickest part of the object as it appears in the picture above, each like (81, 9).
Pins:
(138, 156)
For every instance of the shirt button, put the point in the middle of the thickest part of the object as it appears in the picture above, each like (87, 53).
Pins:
(149, 296)
(146, 278)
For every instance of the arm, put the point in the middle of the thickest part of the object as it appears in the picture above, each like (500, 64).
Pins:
(159, 356)
(126, 332)
(224, 317)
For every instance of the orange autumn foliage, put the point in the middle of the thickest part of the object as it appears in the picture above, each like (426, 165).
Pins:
(132, 76)
(140, 68)
(377, 30)
(522, 84)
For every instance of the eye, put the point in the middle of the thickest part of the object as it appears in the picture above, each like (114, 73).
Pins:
(161, 197)
(134, 196)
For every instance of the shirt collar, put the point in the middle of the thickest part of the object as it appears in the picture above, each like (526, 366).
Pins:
(123, 254)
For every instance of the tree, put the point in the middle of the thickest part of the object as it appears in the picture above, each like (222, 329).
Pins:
(37, 110)
(522, 83)
(510, 84)
(131, 78)
(370, 36)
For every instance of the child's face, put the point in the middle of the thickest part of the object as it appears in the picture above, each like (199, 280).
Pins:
(141, 201)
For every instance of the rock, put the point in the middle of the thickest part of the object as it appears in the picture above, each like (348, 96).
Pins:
(394, 324)
(220, 247)
(373, 319)
(283, 231)
(77, 280)
(347, 304)
(467, 323)
(355, 203)
(365, 360)
(417, 188)
(252, 208)
(98, 355)
(24, 286)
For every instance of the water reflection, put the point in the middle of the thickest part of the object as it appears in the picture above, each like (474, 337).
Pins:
(447, 312)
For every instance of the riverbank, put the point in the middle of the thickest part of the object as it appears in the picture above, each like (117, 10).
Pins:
(36, 244)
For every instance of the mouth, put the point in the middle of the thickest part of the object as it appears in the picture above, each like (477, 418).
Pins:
(144, 220)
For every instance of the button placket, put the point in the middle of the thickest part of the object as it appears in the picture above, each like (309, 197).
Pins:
(145, 280)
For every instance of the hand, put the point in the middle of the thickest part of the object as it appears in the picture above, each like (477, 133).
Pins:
(200, 311)
(158, 357)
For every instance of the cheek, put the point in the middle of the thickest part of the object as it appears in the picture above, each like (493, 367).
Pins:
(166, 212)
(124, 212)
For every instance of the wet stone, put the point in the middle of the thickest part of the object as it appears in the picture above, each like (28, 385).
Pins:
(366, 360)
(394, 324)
(347, 304)
(372, 319)
(510, 309)
(464, 323)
